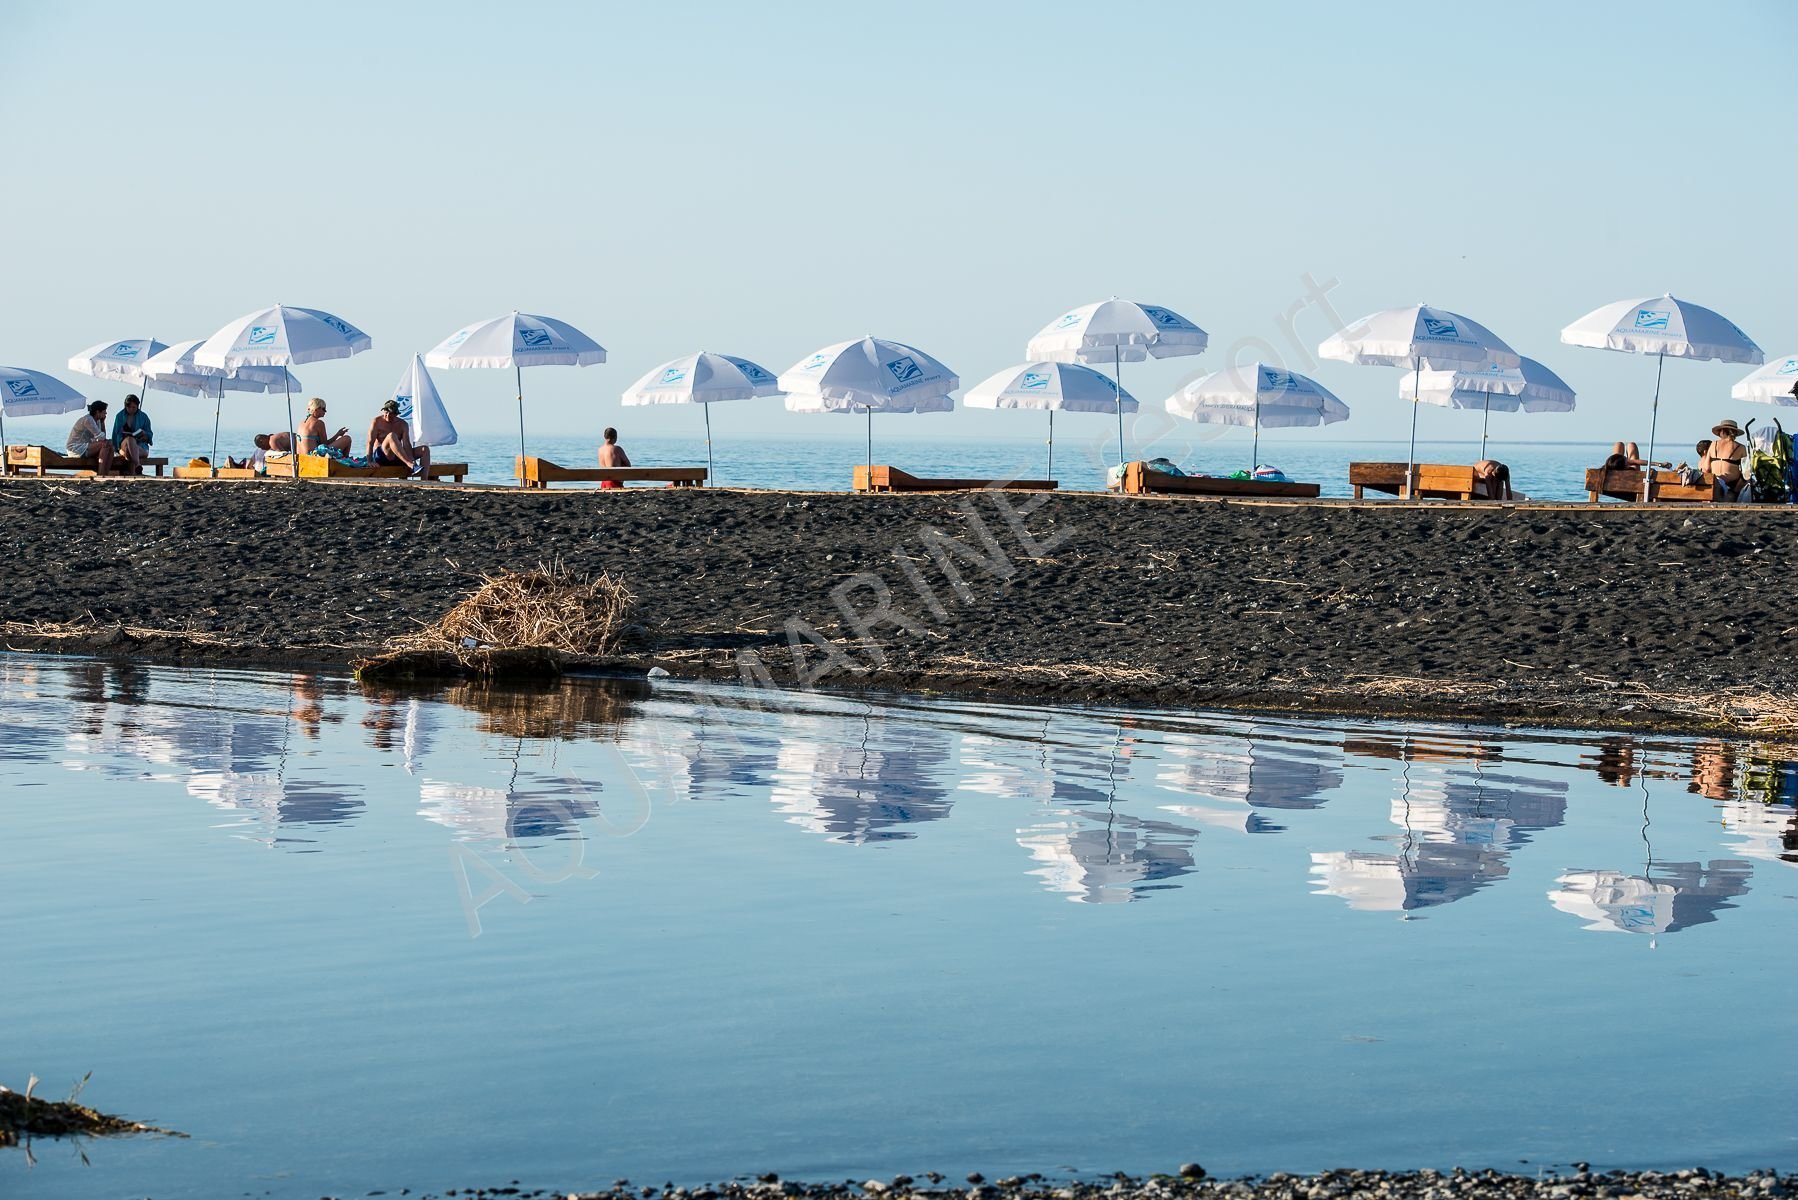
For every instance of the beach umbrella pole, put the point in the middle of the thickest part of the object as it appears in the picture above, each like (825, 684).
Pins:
(4, 470)
(711, 476)
(1411, 460)
(1255, 446)
(1117, 385)
(1485, 426)
(218, 403)
(1654, 420)
(518, 378)
(870, 447)
(1051, 472)
(293, 438)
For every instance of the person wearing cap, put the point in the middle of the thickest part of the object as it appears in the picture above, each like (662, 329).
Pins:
(1723, 461)
(390, 442)
(312, 431)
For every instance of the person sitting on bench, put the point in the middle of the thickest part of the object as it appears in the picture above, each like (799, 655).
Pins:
(312, 431)
(611, 454)
(88, 438)
(1494, 477)
(390, 442)
(1723, 461)
(132, 436)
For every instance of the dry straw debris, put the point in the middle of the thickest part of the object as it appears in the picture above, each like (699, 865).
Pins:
(521, 622)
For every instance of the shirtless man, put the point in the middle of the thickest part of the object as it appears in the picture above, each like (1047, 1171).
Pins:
(312, 431)
(1494, 477)
(390, 442)
(1723, 461)
(611, 454)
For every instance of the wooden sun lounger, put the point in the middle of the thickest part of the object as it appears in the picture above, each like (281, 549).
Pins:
(1435, 481)
(880, 478)
(216, 473)
(1139, 480)
(536, 472)
(41, 460)
(1625, 483)
(317, 466)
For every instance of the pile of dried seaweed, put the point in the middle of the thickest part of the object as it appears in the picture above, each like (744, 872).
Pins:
(524, 623)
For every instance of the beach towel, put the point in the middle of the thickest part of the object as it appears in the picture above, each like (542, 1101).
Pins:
(338, 456)
(1271, 475)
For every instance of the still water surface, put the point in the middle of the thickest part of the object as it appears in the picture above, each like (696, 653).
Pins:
(355, 940)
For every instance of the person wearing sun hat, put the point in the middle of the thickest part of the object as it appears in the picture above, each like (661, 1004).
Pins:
(1723, 461)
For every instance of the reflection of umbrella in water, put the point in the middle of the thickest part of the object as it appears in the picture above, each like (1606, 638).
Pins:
(504, 814)
(1262, 774)
(1665, 897)
(863, 791)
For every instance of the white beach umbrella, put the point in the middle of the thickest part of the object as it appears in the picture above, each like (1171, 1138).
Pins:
(1049, 386)
(1417, 337)
(1117, 331)
(282, 336)
(517, 340)
(1666, 327)
(27, 393)
(1530, 387)
(868, 375)
(1257, 395)
(704, 379)
(421, 408)
(122, 361)
(173, 369)
(1772, 384)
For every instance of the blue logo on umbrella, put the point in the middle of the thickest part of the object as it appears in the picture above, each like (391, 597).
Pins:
(456, 339)
(1435, 327)
(124, 350)
(673, 375)
(405, 403)
(1162, 316)
(339, 325)
(751, 371)
(1652, 318)
(905, 369)
(1280, 381)
(533, 337)
(261, 335)
(1034, 381)
(1789, 367)
(20, 388)
(815, 361)
(1072, 318)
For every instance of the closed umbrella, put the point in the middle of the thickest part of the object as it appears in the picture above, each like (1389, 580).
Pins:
(27, 393)
(1417, 337)
(173, 369)
(1047, 385)
(869, 375)
(1772, 384)
(1258, 396)
(1666, 327)
(421, 408)
(704, 379)
(282, 336)
(1530, 387)
(1117, 331)
(517, 340)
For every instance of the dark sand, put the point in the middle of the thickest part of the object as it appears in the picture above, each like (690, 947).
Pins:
(1571, 614)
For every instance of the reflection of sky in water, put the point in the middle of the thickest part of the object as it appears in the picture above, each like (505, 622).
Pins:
(885, 892)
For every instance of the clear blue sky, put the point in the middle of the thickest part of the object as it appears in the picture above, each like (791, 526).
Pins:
(762, 179)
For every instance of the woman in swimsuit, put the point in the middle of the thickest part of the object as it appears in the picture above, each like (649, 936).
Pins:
(1723, 461)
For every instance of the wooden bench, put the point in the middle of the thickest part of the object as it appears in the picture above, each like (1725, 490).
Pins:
(1435, 481)
(534, 472)
(319, 466)
(1625, 483)
(41, 460)
(878, 478)
(1139, 480)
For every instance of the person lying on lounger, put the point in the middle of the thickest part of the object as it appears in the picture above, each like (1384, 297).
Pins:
(390, 442)
(312, 431)
(88, 438)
